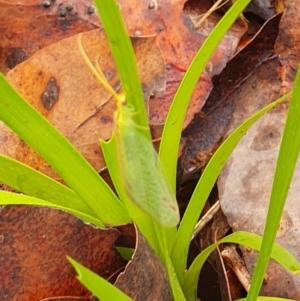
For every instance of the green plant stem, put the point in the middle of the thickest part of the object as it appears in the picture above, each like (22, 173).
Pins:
(162, 235)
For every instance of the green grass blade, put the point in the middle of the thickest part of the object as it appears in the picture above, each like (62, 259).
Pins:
(251, 240)
(126, 253)
(122, 50)
(204, 186)
(33, 183)
(169, 145)
(11, 198)
(36, 131)
(286, 162)
(97, 285)
(176, 288)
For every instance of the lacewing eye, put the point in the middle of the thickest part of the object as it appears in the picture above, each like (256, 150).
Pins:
(142, 174)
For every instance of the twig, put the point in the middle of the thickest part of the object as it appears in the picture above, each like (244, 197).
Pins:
(206, 218)
(216, 6)
(223, 269)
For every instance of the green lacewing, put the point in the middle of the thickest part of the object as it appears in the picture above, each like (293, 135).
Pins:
(141, 170)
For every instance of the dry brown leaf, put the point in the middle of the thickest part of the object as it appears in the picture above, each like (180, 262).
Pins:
(28, 26)
(245, 183)
(173, 24)
(145, 277)
(208, 127)
(59, 84)
(34, 243)
(179, 43)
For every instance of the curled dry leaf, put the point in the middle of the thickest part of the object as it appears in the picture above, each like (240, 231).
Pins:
(144, 277)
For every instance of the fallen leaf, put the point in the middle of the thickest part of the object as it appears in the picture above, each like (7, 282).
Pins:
(179, 42)
(72, 103)
(144, 277)
(59, 84)
(245, 183)
(208, 128)
(34, 242)
(28, 26)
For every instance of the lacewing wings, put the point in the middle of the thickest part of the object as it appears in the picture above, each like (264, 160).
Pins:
(141, 170)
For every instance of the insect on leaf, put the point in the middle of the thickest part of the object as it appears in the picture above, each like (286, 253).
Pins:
(142, 173)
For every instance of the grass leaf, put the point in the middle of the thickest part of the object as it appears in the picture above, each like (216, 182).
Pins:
(33, 183)
(11, 198)
(251, 240)
(37, 132)
(97, 285)
(122, 50)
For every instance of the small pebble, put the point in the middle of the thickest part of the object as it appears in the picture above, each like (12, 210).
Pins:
(137, 33)
(151, 5)
(69, 6)
(159, 28)
(63, 13)
(46, 4)
(91, 10)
